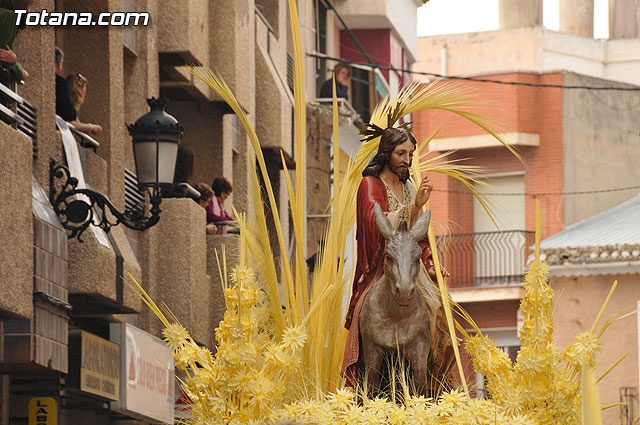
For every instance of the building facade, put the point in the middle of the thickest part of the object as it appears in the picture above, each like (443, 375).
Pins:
(584, 261)
(571, 140)
(76, 342)
(75, 339)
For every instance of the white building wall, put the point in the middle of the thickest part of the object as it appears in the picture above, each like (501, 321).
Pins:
(403, 15)
(531, 49)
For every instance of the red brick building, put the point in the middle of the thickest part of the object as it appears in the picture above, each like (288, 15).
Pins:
(571, 141)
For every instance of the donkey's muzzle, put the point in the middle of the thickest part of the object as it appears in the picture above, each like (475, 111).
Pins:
(404, 296)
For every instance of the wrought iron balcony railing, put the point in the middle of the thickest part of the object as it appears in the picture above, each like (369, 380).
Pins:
(487, 258)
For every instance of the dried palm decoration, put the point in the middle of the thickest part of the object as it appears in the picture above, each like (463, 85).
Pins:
(277, 365)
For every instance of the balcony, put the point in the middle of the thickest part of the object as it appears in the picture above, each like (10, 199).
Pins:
(16, 224)
(482, 141)
(368, 86)
(183, 37)
(183, 32)
(274, 75)
(180, 268)
(20, 114)
(487, 258)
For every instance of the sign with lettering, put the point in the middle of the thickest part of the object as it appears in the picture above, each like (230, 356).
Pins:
(43, 411)
(99, 366)
(147, 387)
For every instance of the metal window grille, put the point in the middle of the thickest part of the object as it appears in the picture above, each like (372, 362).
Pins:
(290, 71)
(133, 197)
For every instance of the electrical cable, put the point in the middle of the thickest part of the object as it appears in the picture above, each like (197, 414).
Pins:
(475, 79)
(534, 195)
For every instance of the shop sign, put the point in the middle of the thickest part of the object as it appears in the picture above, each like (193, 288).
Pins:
(42, 411)
(147, 387)
(99, 366)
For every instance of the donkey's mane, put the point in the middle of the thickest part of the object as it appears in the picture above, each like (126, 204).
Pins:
(401, 241)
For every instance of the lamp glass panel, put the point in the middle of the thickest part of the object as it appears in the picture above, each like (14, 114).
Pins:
(145, 162)
(167, 163)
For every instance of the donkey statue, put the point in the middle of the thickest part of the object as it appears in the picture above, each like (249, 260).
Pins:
(399, 312)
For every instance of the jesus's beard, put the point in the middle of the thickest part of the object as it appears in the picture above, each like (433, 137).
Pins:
(401, 172)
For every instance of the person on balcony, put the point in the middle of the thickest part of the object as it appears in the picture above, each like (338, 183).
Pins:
(215, 210)
(11, 71)
(64, 102)
(78, 89)
(342, 72)
(206, 194)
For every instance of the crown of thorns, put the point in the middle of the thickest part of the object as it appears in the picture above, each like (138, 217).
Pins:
(372, 131)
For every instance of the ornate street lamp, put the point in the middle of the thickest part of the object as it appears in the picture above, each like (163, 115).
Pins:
(156, 136)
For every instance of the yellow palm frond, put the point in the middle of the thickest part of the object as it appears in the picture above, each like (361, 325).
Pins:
(446, 305)
(222, 89)
(260, 246)
(616, 363)
(590, 401)
(300, 151)
(604, 305)
(447, 96)
(466, 317)
(139, 290)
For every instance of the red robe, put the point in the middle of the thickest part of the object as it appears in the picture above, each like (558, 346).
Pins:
(369, 267)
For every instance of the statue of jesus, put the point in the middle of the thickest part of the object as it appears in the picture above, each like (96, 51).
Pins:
(385, 181)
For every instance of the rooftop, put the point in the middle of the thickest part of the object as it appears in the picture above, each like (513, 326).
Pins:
(611, 237)
(618, 225)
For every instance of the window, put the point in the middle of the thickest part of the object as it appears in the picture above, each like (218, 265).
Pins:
(500, 257)
(361, 92)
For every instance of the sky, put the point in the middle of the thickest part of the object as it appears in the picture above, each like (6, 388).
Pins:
(445, 17)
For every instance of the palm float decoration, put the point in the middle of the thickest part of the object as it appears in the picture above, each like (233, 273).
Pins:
(282, 364)
(254, 377)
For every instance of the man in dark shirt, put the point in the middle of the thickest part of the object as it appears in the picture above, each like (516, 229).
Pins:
(342, 72)
(64, 105)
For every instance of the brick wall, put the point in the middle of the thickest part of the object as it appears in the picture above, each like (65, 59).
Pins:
(494, 314)
(514, 109)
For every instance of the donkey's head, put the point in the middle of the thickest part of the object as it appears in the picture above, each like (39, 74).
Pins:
(402, 254)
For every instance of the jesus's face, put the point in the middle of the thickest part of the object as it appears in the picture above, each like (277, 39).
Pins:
(400, 159)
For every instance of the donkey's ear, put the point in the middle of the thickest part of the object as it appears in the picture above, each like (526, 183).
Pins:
(382, 222)
(420, 228)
